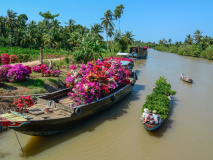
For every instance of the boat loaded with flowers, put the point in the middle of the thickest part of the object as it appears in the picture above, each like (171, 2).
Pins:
(92, 88)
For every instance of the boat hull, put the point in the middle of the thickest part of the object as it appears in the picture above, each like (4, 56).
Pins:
(150, 127)
(189, 80)
(53, 126)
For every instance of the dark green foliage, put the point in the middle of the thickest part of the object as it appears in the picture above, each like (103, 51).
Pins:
(159, 100)
(163, 88)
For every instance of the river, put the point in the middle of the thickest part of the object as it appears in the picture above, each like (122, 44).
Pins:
(117, 133)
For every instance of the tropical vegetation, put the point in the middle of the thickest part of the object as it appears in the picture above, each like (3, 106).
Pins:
(195, 45)
(23, 38)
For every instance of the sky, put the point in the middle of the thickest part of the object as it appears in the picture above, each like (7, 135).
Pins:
(149, 20)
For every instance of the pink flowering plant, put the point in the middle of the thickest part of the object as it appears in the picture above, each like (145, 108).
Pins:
(15, 73)
(40, 68)
(54, 73)
(3, 72)
(95, 80)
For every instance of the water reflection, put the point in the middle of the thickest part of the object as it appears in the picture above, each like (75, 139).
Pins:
(186, 83)
(3, 155)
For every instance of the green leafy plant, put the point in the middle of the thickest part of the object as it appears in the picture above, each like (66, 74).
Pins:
(159, 100)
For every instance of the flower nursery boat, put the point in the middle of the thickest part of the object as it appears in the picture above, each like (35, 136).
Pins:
(186, 79)
(61, 115)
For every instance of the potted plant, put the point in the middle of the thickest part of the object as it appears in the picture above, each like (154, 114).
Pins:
(15, 106)
(22, 104)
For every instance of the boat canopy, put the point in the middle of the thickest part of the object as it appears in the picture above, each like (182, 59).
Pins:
(122, 54)
(125, 63)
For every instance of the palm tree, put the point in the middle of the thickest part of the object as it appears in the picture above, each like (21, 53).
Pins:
(47, 16)
(21, 20)
(107, 22)
(188, 39)
(97, 29)
(2, 25)
(11, 19)
(110, 32)
(128, 37)
(71, 24)
(170, 41)
(164, 41)
(198, 36)
(117, 12)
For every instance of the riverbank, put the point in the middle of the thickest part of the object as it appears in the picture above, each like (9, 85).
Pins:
(187, 50)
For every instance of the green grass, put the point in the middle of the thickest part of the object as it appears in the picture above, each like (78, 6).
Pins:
(37, 84)
(29, 83)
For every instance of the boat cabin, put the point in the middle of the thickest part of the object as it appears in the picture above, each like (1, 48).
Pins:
(138, 52)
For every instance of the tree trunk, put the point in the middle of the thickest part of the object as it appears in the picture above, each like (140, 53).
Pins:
(119, 25)
(107, 37)
(41, 55)
(10, 38)
(49, 35)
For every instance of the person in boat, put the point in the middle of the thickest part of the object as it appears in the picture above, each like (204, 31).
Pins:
(154, 88)
(182, 74)
(150, 118)
(156, 116)
(50, 65)
(169, 96)
(144, 115)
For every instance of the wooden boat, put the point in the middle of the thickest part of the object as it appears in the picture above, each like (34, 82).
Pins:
(61, 116)
(186, 79)
(158, 101)
(138, 52)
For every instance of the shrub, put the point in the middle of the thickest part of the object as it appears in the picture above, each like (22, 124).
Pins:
(3, 72)
(5, 59)
(54, 73)
(17, 73)
(173, 49)
(40, 68)
(208, 53)
(196, 50)
(26, 57)
(29, 69)
(13, 58)
(20, 57)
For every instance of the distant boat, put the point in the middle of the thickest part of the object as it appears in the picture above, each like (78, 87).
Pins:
(186, 79)
(138, 52)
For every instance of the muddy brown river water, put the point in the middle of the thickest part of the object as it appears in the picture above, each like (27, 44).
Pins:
(117, 133)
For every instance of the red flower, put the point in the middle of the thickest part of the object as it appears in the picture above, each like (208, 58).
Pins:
(29, 69)
(5, 59)
(20, 105)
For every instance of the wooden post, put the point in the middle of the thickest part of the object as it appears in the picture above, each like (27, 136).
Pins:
(41, 55)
